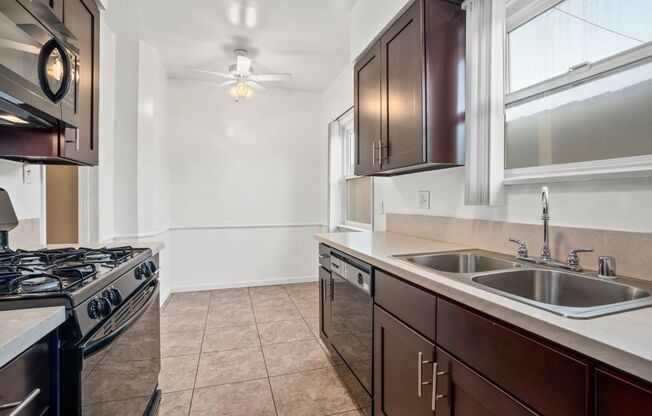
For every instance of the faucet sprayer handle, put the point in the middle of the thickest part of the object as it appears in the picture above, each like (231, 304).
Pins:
(522, 247)
(573, 260)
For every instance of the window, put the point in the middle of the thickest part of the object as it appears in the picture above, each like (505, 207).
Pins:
(351, 196)
(579, 88)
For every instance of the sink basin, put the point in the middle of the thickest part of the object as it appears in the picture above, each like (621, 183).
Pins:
(565, 293)
(459, 262)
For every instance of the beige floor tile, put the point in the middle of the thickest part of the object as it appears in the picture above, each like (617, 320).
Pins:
(178, 373)
(276, 298)
(314, 393)
(305, 294)
(175, 404)
(253, 291)
(240, 292)
(234, 317)
(226, 303)
(284, 331)
(294, 357)
(248, 398)
(185, 307)
(230, 367)
(350, 413)
(230, 338)
(275, 313)
(181, 343)
(196, 296)
(195, 321)
(294, 287)
(308, 309)
(313, 323)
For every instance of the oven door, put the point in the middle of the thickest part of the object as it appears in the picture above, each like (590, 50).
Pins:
(38, 66)
(121, 361)
(352, 320)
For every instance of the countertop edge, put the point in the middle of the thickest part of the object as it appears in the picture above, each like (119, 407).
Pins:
(15, 344)
(507, 310)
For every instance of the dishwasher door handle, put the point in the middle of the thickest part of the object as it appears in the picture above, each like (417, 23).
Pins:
(21, 405)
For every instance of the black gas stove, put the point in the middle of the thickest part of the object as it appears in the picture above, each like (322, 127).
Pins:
(111, 337)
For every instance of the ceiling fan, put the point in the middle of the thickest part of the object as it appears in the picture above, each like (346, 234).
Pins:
(241, 77)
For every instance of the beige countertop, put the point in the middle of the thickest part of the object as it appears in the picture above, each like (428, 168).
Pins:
(21, 328)
(622, 340)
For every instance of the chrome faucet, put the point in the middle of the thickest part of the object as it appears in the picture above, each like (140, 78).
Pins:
(572, 262)
(545, 216)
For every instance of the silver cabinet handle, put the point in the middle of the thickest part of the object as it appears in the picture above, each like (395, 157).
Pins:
(436, 396)
(21, 405)
(76, 141)
(420, 382)
(373, 153)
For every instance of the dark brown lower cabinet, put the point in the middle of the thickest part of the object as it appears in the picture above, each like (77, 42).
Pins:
(403, 367)
(463, 392)
(618, 395)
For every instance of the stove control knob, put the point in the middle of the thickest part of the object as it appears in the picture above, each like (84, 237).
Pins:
(99, 308)
(147, 272)
(140, 273)
(113, 295)
(152, 266)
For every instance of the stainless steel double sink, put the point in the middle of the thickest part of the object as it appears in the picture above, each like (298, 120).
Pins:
(570, 294)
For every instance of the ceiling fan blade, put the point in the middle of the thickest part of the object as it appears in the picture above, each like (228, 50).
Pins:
(227, 83)
(243, 64)
(271, 77)
(256, 85)
(219, 74)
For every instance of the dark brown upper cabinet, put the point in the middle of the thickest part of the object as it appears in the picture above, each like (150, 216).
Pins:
(409, 93)
(367, 112)
(82, 18)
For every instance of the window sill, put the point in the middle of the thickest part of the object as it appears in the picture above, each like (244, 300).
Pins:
(356, 228)
(628, 167)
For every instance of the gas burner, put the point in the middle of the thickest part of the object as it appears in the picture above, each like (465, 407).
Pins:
(39, 284)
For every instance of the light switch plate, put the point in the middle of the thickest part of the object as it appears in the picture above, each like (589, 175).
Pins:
(424, 199)
(28, 174)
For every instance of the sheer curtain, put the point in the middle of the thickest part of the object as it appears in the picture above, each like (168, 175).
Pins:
(485, 95)
(335, 172)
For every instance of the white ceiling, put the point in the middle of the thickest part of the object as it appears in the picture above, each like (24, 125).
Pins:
(309, 38)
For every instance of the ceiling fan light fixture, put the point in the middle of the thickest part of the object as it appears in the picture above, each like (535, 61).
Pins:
(241, 90)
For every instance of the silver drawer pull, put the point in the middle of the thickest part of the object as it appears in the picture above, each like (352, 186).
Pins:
(436, 396)
(20, 406)
(420, 382)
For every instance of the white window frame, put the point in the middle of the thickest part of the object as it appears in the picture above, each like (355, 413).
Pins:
(519, 12)
(347, 129)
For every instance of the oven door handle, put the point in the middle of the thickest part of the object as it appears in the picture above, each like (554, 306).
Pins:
(95, 346)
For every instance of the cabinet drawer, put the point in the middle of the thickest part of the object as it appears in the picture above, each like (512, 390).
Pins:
(551, 381)
(413, 306)
(616, 395)
(325, 256)
(27, 379)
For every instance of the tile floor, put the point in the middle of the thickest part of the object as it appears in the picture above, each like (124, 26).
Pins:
(253, 352)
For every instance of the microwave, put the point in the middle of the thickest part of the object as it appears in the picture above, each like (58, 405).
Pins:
(39, 67)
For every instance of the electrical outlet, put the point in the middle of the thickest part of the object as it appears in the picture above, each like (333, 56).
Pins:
(28, 174)
(424, 199)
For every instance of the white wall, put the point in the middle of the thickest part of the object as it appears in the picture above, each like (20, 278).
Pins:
(368, 18)
(247, 184)
(616, 204)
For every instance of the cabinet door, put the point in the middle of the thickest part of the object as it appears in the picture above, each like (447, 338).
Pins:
(463, 392)
(82, 18)
(367, 112)
(402, 368)
(402, 74)
(325, 299)
(617, 395)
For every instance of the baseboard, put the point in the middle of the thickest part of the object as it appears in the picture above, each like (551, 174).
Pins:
(252, 283)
